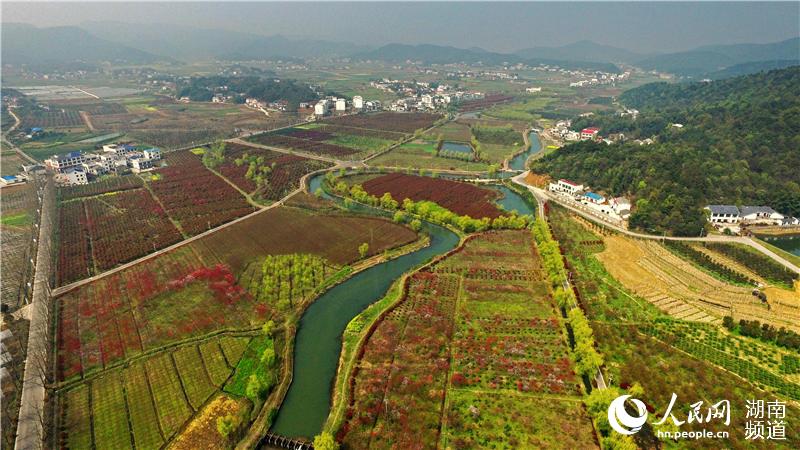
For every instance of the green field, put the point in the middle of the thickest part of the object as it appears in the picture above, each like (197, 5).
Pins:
(422, 155)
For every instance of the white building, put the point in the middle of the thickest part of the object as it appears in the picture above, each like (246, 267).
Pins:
(152, 153)
(723, 214)
(8, 180)
(533, 90)
(63, 162)
(621, 206)
(760, 215)
(140, 163)
(358, 102)
(566, 187)
(73, 175)
(341, 105)
(589, 133)
(593, 197)
(321, 108)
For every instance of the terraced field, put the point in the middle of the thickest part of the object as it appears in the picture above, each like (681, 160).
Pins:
(684, 291)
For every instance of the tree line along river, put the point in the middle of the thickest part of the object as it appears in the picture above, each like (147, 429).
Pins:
(318, 341)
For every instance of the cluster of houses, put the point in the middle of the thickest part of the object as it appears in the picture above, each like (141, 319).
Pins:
(732, 217)
(601, 78)
(331, 104)
(79, 167)
(617, 208)
(561, 130)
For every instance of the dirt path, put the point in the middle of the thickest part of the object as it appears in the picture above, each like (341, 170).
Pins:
(87, 120)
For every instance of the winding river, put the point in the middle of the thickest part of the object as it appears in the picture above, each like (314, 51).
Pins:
(318, 341)
(518, 162)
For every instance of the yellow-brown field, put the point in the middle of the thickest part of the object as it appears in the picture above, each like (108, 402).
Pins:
(682, 290)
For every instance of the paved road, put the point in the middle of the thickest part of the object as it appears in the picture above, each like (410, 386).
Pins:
(30, 429)
(542, 195)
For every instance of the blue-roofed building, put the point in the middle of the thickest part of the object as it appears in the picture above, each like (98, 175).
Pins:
(594, 197)
(8, 180)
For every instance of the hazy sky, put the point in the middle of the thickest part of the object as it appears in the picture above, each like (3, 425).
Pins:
(645, 27)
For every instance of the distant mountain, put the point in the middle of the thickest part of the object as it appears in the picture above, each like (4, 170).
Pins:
(750, 68)
(581, 51)
(190, 44)
(439, 54)
(709, 59)
(27, 44)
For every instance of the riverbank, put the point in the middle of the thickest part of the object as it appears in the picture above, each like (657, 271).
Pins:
(271, 405)
(358, 332)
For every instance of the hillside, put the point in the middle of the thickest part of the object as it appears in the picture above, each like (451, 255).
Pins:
(707, 59)
(26, 44)
(739, 145)
(581, 51)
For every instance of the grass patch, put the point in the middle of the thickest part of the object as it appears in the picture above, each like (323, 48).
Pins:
(16, 220)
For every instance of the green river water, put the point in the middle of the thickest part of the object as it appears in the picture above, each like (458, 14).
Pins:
(318, 341)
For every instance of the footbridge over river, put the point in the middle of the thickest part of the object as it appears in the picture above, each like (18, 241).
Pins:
(276, 441)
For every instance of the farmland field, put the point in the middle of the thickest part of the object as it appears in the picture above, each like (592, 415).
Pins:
(18, 210)
(420, 154)
(145, 403)
(682, 290)
(109, 230)
(154, 302)
(388, 121)
(435, 358)
(195, 197)
(460, 198)
(160, 340)
(349, 137)
(284, 174)
(695, 360)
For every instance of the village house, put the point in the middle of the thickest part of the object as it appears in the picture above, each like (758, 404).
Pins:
(593, 197)
(589, 133)
(723, 214)
(760, 215)
(566, 187)
(621, 206)
(9, 180)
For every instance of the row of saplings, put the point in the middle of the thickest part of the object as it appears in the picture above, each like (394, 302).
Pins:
(587, 359)
(430, 211)
(765, 332)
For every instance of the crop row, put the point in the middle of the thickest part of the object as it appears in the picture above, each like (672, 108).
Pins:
(113, 184)
(146, 403)
(52, 119)
(304, 145)
(197, 198)
(387, 121)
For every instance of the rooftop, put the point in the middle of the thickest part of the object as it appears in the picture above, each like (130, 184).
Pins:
(723, 209)
(746, 210)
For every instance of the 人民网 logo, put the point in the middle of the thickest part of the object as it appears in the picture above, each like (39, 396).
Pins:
(621, 421)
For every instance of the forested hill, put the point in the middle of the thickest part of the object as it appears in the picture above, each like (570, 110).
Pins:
(740, 144)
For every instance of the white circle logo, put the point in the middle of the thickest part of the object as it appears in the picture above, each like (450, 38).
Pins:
(621, 421)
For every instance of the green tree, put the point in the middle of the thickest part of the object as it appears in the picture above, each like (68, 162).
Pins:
(363, 250)
(325, 441)
(226, 425)
(415, 224)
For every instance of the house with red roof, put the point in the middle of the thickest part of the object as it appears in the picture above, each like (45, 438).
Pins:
(589, 133)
